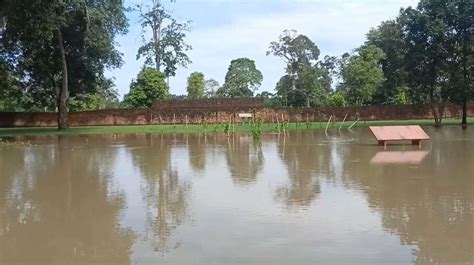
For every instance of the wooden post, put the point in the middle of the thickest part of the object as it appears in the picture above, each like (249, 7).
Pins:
(329, 121)
(352, 125)
(343, 121)
(186, 120)
(278, 122)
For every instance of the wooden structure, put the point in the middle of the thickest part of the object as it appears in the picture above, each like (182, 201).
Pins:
(413, 133)
(245, 117)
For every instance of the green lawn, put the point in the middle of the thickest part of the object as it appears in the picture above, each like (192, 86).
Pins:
(179, 128)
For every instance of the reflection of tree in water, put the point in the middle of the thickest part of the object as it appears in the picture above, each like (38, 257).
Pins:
(165, 195)
(431, 206)
(302, 158)
(244, 157)
(196, 145)
(64, 213)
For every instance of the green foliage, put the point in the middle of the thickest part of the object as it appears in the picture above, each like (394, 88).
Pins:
(60, 48)
(337, 100)
(361, 75)
(92, 102)
(149, 85)
(269, 100)
(195, 86)
(256, 130)
(400, 98)
(227, 128)
(390, 39)
(166, 47)
(10, 91)
(241, 80)
(307, 81)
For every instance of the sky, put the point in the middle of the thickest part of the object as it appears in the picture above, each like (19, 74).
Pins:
(223, 30)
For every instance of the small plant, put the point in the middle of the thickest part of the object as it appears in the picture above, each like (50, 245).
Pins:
(256, 130)
(226, 128)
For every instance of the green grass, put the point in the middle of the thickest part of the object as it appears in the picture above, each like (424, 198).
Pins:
(209, 128)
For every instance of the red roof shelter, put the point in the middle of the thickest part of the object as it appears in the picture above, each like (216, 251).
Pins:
(413, 133)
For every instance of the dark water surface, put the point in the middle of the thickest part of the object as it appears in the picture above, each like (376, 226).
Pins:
(301, 198)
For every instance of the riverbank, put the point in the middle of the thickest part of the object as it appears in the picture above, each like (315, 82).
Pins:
(210, 128)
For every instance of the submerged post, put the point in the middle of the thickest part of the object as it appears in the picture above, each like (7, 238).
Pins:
(343, 121)
(352, 125)
(327, 125)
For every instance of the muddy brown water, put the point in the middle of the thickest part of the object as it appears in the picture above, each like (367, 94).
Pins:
(300, 198)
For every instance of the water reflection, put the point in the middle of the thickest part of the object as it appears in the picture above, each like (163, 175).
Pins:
(431, 205)
(244, 157)
(165, 195)
(59, 209)
(301, 157)
(196, 145)
(69, 199)
(398, 157)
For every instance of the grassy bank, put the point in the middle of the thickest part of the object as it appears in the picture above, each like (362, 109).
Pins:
(210, 128)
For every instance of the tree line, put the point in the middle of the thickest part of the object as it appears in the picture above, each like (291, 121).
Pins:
(53, 55)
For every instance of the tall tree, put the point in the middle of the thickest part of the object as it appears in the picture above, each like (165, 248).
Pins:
(427, 56)
(361, 75)
(460, 21)
(195, 86)
(307, 77)
(149, 85)
(62, 47)
(241, 80)
(390, 39)
(166, 48)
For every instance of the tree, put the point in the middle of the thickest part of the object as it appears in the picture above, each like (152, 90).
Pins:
(337, 100)
(241, 80)
(195, 86)
(361, 75)
(269, 100)
(9, 89)
(460, 21)
(306, 80)
(167, 47)
(61, 48)
(149, 85)
(211, 87)
(425, 30)
(390, 39)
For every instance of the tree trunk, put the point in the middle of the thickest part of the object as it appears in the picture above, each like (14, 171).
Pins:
(308, 101)
(156, 28)
(63, 96)
(438, 111)
(464, 113)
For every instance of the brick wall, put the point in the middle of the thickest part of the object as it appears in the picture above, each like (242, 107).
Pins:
(222, 115)
(209, 104)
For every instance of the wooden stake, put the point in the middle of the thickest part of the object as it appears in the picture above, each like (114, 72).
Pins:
(353, 124)
(343, 121)
(327, 125)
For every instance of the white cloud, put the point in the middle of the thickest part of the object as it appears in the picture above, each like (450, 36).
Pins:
(335, 26)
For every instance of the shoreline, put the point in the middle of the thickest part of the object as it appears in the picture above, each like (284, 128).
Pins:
(212, 128)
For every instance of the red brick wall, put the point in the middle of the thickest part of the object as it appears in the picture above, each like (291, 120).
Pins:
(213, 115)
(209, 104)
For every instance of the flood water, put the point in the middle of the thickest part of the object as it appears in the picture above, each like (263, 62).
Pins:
(300, 198)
